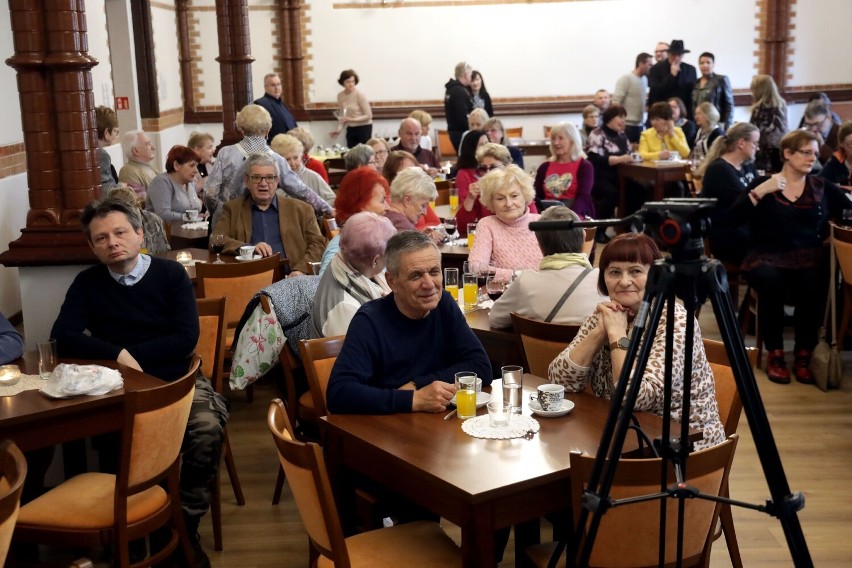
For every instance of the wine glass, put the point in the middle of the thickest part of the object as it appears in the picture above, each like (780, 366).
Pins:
(494, 287)
(218, 242)
(451, 225)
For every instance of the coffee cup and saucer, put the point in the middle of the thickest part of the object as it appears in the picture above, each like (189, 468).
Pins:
(246, 252)
(550, 401)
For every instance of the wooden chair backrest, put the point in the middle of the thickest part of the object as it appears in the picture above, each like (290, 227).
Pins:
(327, 231)
(238, 282)
(541, 342)
(154, 423)
(547, 132)
(444, 146)
(727, 397)
(843, 251)
(443, 197)
(589, 240)
(304, 468)
(211, 339)
(13, 472)
(628, 535)
(318, 356)
(516, 132)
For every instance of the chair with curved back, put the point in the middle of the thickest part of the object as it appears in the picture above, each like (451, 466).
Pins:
(514, 132)
(211, 349)
(628, 535)
(319, 356)
(541, 342)
(444, 147)
(730, 409)
(414, 544)
(238, 282)
(98, 509)
(13, 471)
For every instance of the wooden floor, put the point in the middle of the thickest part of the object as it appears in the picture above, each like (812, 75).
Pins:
(813, 431)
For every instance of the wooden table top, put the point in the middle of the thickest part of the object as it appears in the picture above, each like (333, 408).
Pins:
(33, 420)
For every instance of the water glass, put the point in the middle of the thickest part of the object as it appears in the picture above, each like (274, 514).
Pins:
(451, 282)
(513, 386)
(499, 413)
(47, 358)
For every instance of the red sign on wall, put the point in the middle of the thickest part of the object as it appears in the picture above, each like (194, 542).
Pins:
(122, 103)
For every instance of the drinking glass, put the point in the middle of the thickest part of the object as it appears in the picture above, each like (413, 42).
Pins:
(47, 358)
(471, 290)
(499, 413)
(466, 395)
(471, 234)
(451, 226)
(513, 386)
(218, 244)
(494, 287)
(454, 200)
(451, 282)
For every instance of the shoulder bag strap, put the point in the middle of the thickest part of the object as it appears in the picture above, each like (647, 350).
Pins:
(564, 297)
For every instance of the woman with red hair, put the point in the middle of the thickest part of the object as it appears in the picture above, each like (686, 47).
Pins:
(362, 189)
(172, 193)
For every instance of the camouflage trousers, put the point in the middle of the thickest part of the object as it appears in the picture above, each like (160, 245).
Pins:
(202, 448)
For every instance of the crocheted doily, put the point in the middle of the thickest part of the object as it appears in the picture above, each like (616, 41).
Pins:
(519, 426)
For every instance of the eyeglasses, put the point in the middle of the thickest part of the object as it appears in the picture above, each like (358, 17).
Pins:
(807, 153)
(381, 152)
(485, 169)
(257, 179)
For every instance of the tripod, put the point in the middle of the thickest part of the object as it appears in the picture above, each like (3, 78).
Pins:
(690, 276)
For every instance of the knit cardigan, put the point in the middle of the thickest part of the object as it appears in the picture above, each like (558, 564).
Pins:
(506, 247)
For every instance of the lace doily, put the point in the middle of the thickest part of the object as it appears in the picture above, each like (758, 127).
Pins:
(27, 382)
(519, 426)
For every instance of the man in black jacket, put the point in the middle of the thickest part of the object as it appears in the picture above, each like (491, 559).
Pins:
(671, 77)
(458, 103)
(272, 101)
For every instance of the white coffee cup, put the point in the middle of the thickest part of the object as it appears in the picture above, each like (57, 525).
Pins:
(551, 396)
(246, 251)
(191, 215)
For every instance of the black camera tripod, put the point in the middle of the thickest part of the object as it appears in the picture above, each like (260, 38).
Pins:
(679, 225)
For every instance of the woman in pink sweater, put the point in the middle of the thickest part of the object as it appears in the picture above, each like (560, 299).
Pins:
(503, 240)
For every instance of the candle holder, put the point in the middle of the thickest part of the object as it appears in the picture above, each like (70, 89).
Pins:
(184, 257)
(9, 375)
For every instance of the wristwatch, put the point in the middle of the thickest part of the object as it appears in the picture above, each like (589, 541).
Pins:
(622, 343)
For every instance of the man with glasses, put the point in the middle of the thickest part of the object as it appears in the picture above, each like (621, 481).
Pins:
(818, 120)
(269, 220)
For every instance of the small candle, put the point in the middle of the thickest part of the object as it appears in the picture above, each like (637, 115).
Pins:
(9, 375)
(184, 257)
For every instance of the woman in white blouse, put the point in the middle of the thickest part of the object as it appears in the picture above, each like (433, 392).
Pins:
(172, 193)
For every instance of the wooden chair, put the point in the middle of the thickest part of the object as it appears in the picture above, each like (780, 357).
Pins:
(319, 356)
(589, 242)
(419, 543)
(843, 250)
(211, 349)
(13, 471)
(238, 282)
(97, 509)
(445, 148)
(627, 535)
(329, 229)
(541, 342)
(443, 197)
(730, 409)
(547, 132)
(517, 132)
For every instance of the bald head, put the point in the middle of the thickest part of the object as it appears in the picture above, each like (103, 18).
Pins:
(409, 134)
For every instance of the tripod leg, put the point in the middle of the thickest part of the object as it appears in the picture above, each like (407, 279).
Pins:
(784, 504)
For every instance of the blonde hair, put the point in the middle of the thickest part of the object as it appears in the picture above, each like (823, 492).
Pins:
(304, 136)
(726, 143)
(196, 139)
(254, 120)
(421, 116)
(496, 151)
(477, 113)
(764, 93)
(570, 131)
(284, 143)
(414, 182)
(497, 181)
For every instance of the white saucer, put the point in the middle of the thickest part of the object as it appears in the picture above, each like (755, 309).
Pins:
(567, 406)
(255, 257)
(482, 399)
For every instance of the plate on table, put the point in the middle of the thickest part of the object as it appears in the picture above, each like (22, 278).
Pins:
(255, 257)
(482, 399)
(567, 406)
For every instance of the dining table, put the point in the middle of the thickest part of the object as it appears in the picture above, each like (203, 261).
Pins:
(500, 344)
(481, 485)
(659, 173)
(184, 238)
(33, 421)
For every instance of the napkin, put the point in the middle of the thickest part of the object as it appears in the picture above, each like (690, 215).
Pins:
(70, 380)
(195, 226)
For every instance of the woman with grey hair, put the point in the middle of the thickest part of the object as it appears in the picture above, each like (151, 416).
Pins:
(503, 241)
(291, 149)
(410, 193)
(153, 229)
(567, 176)
(355, 275)
(707, 121)
(226, 180)
(537, 295)
(360, 155)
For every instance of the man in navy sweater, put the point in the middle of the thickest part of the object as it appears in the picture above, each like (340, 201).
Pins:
(402, 351)
(272, 101)
(141, 311)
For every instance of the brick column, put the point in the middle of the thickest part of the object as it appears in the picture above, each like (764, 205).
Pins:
(290, 28)
(60, 136)
(232, 22)
(773, 39)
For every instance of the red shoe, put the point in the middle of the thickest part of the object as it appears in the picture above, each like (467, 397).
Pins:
(801, 367)
(776, 368)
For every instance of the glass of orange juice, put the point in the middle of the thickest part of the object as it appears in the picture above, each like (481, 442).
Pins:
(451, 282)
(471, 290)
(454, 199)
(466, 395)
(471, 234)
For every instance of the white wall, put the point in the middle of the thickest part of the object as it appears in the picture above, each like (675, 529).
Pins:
(99, 48)
(167, 57)
(821, 42)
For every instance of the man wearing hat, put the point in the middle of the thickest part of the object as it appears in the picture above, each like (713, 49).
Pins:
(671, 77)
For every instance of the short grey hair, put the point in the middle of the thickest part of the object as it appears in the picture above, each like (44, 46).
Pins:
(404, 243)
(284, 143)
(413, 182)
(710, 111)
(358, 156)
(496, 181)
(462, 69)
(365, 235)
(259, 160)
(128, 142)
(563, 240)
(254, 120)
(496, 151)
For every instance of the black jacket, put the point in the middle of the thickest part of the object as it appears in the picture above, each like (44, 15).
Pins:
(717, 91)
(662, 85)
(457, 105)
